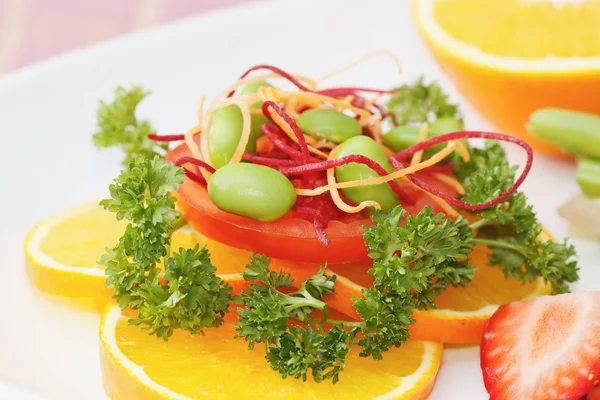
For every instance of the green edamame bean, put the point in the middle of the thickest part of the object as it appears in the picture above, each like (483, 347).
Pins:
(575, 132)
(252, 190)
(444, 125)
(257, 119)
(403, 137)
(588, 177)
(224, 135)
(381, 193)
(331, 125)
(253, 87)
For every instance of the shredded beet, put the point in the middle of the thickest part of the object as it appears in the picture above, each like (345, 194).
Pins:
(198, 178)
(352, 158)
(465, 135)
(274, 133)
(293, 125)
(268, 161)
(279, 72)
(165, 138)
(319, 223)
(196, 162)
(360, 101)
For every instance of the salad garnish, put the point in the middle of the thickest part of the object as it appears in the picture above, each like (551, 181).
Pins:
(416, 255)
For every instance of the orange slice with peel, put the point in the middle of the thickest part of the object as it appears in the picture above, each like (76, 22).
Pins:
(461, 313)
(511, 57)
(62, 253)
(136, 365)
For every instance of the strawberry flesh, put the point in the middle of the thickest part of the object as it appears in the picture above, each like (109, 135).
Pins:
(545, 348)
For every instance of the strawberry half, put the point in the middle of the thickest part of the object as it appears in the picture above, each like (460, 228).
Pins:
(545, 348)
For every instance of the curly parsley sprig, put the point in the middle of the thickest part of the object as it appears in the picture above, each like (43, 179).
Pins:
(511, 229)
(118, 126)
(290, 349)
(188, 295)
(415, 258)
(420, 102)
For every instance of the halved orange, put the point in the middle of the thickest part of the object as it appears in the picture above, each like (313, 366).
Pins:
(136, 365)
(511, 57)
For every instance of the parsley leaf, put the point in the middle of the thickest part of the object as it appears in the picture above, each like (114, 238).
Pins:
(511, 229)
(301, 349)
(268, 309)
(417, 256)
(189, 295)
(119, 127)
(420, 102)
(414, 259)
(290, 349)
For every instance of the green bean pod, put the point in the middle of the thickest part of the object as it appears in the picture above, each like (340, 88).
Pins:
(588, 177)
(257, 120)
(224, 135)
(381, 193)
(328, 124)
(575, 132)
(252, 190)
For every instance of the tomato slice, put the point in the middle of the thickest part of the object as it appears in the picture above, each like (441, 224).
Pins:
(289, 238)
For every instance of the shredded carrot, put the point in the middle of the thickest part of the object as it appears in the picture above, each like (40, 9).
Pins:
(324, 143)
(362, 113)
(450, 147)
(463, 152)
(361, 60)
(191, 143)
(418, 156)
(285, 127)
(377, 132)
(262, 142)
(335, 195)
(450, 181)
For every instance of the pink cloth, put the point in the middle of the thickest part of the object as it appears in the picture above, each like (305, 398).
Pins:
(31, 30)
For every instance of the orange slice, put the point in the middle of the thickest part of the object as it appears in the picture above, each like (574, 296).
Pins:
(136, 365)
(62, 251)
(461, 312)
(511, 57)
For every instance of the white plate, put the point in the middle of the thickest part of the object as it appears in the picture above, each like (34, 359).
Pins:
(47, 116)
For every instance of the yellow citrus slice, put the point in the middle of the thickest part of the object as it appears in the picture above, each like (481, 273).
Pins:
(461, 312)
(62, 251)
(136, 365)
(512, 57)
